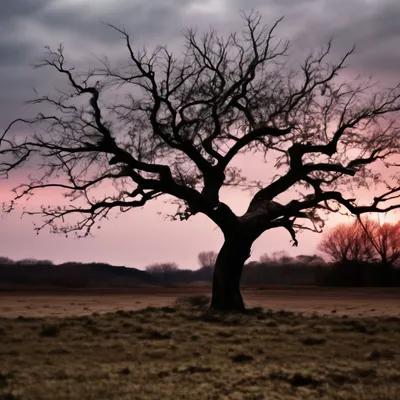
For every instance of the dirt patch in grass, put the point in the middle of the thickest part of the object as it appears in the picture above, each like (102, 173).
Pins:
(184, 352)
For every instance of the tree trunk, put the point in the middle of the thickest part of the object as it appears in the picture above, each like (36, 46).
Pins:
(228, 268)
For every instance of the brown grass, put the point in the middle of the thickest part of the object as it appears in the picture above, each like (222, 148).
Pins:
(340, 301)
(188, 353)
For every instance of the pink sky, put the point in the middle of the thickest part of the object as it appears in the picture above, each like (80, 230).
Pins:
(136, 239)
(141, 236)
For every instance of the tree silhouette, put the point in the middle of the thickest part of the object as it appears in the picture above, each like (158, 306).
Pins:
(383, 238)
(183, 122)
(347, 242)
(207, 259)
(166, 271)
(364, 240)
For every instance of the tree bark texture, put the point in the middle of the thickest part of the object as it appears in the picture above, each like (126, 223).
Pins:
(228, 269)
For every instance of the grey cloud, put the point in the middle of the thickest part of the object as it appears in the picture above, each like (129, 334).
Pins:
(12, 54)
(20, 46)
(373, 26)
(12, 12)
(14, 9)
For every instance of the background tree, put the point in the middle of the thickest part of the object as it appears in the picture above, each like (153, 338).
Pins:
(346, 242)
(162, 268)
(313, 259)
(384, 239)
(207, 259)
(166, 271)
(6, 261)
(181, 126)
(277, 257)
(264, 259)
(364, 240)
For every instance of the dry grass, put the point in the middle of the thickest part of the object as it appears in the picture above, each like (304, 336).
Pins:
(372, 302)
(188, 353)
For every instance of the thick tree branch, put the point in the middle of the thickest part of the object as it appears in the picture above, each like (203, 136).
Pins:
(186, 119)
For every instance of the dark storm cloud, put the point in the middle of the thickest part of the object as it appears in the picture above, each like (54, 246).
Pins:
(20, 8)
(12, 54)
(372, 25)
(149, 19)
(11, 50)
(377, 36)
(26, 26)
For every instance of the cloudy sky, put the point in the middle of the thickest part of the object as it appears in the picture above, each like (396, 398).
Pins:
(142, 236)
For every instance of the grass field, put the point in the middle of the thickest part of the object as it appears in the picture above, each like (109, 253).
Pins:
(60, 302)
(183, 351)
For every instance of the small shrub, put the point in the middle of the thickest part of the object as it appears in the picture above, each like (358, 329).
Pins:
(299, 379)
(199, 302)
(50, 330)
(3, 381)
(242, 358)
(168, 310)
(365, 372)
(21, 318)
(358, 326)
(193, 369)
(224, 334)
(296, 379)
(7, 396)
(212, 317)
(255, 311)
(156, 335)
(381, 355)
(313, 340)
(125, 371)
(124, 313)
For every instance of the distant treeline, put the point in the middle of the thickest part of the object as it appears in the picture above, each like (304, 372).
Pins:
(290, 273)
(303, 270)
(70, 275)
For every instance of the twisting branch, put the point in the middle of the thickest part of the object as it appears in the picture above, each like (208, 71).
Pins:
(185, 121)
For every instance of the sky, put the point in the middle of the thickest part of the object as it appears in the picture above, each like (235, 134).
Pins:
(142, 236)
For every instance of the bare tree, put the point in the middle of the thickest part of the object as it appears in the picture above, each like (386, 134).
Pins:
(32, 261)
(265, 259)
(346, 242)
(166, 271)
(162, 268)
(6, 261)
(185, 120)
(313, 259)
(383, 238)
(363, 240)
(277, 257)
(207, 259)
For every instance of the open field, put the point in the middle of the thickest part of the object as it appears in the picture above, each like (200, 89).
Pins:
(76, 345)
(188, 353)
(60, 302)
